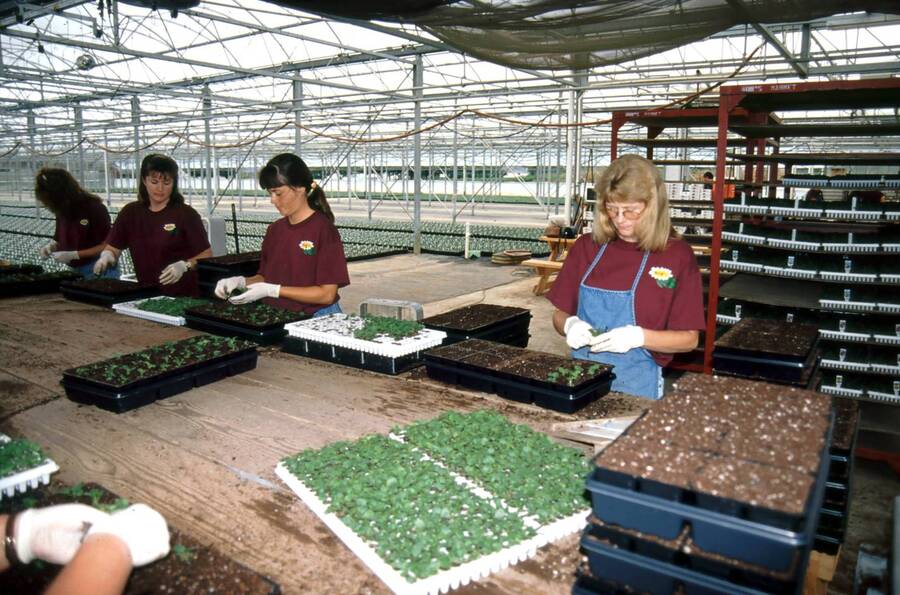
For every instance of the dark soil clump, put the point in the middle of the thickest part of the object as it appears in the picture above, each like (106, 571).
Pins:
(473, 317)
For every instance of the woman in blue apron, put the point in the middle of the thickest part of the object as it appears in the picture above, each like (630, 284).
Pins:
(630, 293)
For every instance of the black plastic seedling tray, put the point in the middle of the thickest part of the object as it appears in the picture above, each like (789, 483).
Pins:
(351, 357)
(754, 535)
(777, 369)
(741, 575)
(81, 294)
(209, 271)
(647, 575)
(264, 335)
(143, 392)
(510, 331)
(545, 394)
(35, 287)
(21, 269)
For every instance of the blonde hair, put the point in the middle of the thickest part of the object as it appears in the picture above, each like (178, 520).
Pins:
(631, 178)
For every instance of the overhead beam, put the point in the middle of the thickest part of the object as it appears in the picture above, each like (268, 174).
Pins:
(795, 63)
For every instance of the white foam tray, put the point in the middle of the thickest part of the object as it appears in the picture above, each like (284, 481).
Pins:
(854, 215)
(337, 330)
(841, 392)
(890, 247)
(880, 396)
(845, 336)
(886, 369)
(887, 339)
(743, 238)
(850, 248)
(445, 580)
(892, 215)
(725, 319)
(795, 212)
(847, 305)
(790, 273)
(892, 308)
(736, 265)
(852, 277)
(794, 244)
(131, 309)
(28, 479)
(749, 209)
(889, 278)
(836, 364)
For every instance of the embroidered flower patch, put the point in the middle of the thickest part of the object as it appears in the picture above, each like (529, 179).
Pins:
(308, 247)
(663, 277)
(83, 222)
(171, 229)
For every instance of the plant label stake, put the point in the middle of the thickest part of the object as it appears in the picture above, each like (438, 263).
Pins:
(737, 314)
(897, 329)
(842, 353)
(790, 317)
(842, 326)
(839, 380)
(734, 255)
(848, 265)
(846, 295)
(897, 388)
(790, 261)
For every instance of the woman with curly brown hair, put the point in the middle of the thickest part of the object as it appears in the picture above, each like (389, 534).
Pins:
(82, 221)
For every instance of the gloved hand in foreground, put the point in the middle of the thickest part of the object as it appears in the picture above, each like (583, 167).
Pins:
(257, 291)
(225, 287)
(65, 256)
(48, 249)
(54, 534)
(174, 272)
(578, 332)
(619, 340)
(142, 529)
(106, 260)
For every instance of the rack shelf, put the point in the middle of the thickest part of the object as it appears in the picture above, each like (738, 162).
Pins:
(821, 158)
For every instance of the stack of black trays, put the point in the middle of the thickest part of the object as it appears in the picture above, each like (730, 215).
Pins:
(211, 270)
(836, 505)
(489, 322)
(106, 292)
(30, 279)
(650, 536)
(768, 350)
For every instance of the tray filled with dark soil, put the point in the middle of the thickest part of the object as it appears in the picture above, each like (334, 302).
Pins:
(191, 568)
(545, 379)
(685, 555)
(255, 321)
(20, 269)
(33, 283)
(767, 349)
(490, 322)
(743, 463)
(136, 379)
(211, 270)
(106, 292)
(375, 343)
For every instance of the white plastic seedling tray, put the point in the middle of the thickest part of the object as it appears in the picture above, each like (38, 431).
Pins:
(851, 277)
(28, 479)
(131, 309)
(794, 244)
(890, 247)
(445, 580)
(743, 238)
(840, 391)
(844, 336)
(880, 396)
(836, 364)
(887, 339)
(795, 212)
(889, 278)
(850, 248)
(748, 209)
(847, 305)
(891, 308)
(725, 319)
(337, 330)
(789, 272)
(736, 265)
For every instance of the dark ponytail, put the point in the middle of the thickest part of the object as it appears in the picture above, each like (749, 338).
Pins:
(288, 169)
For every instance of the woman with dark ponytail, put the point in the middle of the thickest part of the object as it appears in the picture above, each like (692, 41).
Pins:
(302, 263)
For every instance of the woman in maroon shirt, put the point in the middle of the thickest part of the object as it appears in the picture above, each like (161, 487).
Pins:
(630, 294)
(82, 221)
(165, 236)
(302, 263)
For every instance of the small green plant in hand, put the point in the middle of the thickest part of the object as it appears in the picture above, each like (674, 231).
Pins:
(183, 554)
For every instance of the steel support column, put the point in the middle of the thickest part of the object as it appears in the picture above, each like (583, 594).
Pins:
(207, 136)
(417, 156)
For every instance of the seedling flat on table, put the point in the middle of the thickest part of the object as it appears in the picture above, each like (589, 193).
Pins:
(36, 471)
(163, 309)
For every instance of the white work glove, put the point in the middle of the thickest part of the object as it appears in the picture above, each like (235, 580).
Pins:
(619, 340)
(172, 273)
(578, 332)
(48, 249)
(65, 256)
(225, 287)
(257, 291)
(54, 534)
(142, 529)
(106, 260)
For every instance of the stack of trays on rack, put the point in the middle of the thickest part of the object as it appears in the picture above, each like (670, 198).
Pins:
(375, 343)
(106, 292)
(254, 321)
(716, 490)
(27, 279)
(836, 504)
(545, 379)
(767, 349)
(210, 270)
(490, 322)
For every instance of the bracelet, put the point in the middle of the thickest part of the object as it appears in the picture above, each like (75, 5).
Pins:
(9, 542)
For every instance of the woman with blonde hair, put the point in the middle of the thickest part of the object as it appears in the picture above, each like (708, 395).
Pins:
(630, 294)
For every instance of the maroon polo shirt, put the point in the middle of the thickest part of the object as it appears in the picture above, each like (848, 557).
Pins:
(156, 240)
(656, 308)
(85, 230)
(302, 255)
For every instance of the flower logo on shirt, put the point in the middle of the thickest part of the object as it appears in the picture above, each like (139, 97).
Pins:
(170, 228)
(308, 247)
(663, 276)
(83, 222)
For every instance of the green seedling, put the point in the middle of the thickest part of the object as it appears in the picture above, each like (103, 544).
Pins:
(183, 554)
(375, 326)
(19, 455)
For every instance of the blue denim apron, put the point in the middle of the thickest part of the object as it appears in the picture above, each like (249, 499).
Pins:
(637, 373)
(334, 308)
(87, 270)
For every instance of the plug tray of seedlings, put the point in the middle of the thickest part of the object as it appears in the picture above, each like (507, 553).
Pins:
(191, 568)
(106, 292)
(375, 343)
(164, 309)
(679, 555)
(20, 269)
(489, 322)
(547, 380)
(256, 321)
(767, 349)
(23, 466)
(744, 463)
(33, 282)
(136, 379)
(211, 270)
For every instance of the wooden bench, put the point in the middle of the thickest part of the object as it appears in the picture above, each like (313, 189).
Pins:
(544, 268)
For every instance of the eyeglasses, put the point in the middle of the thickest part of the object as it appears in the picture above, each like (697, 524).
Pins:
(629, 213)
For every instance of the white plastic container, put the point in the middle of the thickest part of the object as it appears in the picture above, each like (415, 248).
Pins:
(131, 309)
(25, 480)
